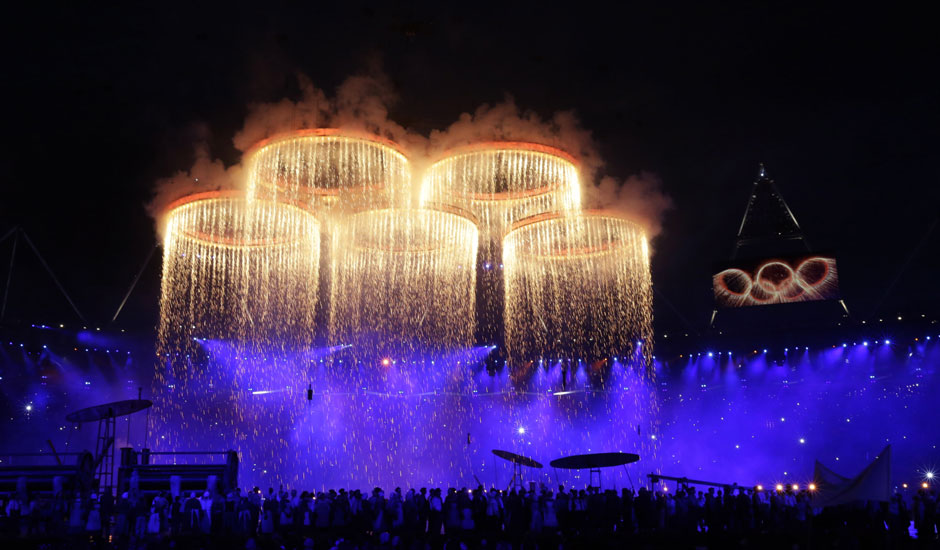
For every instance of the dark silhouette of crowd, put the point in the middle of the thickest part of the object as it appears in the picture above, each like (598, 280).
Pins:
(530, 518)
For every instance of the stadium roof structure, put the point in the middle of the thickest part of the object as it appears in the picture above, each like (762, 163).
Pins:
(767, 217)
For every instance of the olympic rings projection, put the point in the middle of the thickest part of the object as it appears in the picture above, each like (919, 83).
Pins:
(778, 281)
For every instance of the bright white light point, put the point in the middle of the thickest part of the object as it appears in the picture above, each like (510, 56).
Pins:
(802, 440)
(782, 419)
(929, 475)
(653, 436)
(521, 430)
(29, 408)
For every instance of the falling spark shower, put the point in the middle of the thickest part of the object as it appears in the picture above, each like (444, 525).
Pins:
(403, 281)
(407, 389)
(238, 271)
(501, 183)
(578, 316)
(329, 170)
(577, 283)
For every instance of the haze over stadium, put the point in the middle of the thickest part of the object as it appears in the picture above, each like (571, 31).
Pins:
(379, 247)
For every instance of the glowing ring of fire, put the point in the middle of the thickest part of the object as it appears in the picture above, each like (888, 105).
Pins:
(593, 214)
(328, 133)
(497, 146)
(198, 200)
(508, 147)
(280, 183)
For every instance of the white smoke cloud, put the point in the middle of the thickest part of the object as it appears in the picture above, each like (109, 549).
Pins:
(639, 198)
(505, 121)
(360, 104)
(206, 174)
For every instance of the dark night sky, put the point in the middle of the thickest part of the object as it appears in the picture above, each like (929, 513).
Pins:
(840, 105)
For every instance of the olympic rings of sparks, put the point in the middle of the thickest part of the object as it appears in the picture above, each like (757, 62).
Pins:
(241, 286)
(501, 182)
(581, 244)
(327, 168)
(777, 281)
(225, 218)
(402, 280)
(576, 280)
(226, 256)
(235, 270)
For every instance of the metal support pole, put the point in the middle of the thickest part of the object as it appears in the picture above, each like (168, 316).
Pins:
(54, 279)
(8, 233)
(591, 477)
(6, 290)
(134, 283)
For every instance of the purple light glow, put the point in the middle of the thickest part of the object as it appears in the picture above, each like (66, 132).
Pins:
(409, 423)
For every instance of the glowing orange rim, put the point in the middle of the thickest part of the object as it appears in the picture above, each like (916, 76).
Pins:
(227, 241)
(509, 146)
(327, 132)
(205, 195)
(592, 214)
(439, 209)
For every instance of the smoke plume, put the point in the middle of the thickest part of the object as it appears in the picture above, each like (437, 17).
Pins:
(505, 121)
(206, 174)
(639, 198)
(360, 104)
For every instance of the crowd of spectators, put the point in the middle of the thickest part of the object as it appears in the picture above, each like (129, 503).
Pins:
(536, 517)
